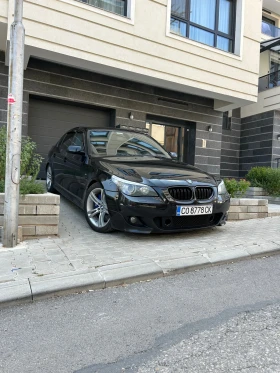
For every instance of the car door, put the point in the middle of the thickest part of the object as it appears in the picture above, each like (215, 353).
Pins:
(60, 159)
(77, 168)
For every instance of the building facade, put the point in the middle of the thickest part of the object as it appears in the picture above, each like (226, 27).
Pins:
(179, 70)
(260, 122)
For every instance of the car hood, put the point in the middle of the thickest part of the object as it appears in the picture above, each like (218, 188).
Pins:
(155, 171)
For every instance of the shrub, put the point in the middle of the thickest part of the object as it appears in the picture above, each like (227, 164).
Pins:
(266, 178)
(236, 188)
(29, 165)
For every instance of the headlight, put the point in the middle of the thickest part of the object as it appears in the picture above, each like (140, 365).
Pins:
(133, 189)
(222, 188)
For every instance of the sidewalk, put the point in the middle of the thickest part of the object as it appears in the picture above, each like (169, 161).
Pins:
(81, 259)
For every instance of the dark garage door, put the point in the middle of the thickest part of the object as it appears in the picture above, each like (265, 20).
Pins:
(48, 121)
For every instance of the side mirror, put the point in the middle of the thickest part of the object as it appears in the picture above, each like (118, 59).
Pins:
(75, 149)
(173, 155)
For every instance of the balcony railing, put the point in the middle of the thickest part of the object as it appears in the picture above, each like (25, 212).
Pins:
(270, 30)
(269, 81)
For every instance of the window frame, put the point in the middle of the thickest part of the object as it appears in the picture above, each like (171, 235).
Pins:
(227, 121)
(105, 10)
(215, 32)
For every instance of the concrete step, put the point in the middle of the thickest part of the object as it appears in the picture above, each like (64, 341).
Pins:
(273, 210)
(272, 200)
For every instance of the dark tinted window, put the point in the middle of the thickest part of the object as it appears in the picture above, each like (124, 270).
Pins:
(78, 139)
(67, 141)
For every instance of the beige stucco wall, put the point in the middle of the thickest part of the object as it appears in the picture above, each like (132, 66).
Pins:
(4, 11)
(267, 100)
(264, 63)
(141, 48)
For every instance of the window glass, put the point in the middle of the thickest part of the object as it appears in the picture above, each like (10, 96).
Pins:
(178, 27)
(207, 21)
(203, 13)
(225, 16)
(179, 7)
(202, 36)
(67, 141)
(114, 6)
(224, 44)
(78, 139)
(126, 144)
(267, 20)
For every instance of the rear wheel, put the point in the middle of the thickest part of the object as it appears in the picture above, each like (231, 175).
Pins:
(96, 209)
(49, 180)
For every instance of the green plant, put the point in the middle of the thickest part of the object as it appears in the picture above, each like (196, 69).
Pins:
(29, 165)
(266, 178)
(236, 188)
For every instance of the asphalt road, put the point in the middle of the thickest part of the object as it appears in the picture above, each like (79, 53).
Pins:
(220, 319)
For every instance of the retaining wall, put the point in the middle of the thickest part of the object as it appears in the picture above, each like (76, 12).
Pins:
(38, 214)
(247, 208)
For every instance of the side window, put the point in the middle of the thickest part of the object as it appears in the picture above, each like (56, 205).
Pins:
(78, 139)
(67, 141)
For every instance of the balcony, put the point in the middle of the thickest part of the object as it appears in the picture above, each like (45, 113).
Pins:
(270, 30)
(269, 81)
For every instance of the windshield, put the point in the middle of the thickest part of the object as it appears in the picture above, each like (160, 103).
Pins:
(123, 144)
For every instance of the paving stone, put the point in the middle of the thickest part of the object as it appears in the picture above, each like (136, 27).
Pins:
(7, 278)
(64, 254)
(25, 272)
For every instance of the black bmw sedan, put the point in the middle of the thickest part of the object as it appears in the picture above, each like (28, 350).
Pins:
(126, 181)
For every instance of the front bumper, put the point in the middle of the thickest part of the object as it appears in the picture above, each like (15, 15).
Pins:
(153, 215)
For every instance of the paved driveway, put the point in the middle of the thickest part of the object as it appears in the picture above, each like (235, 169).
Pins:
(78, 247)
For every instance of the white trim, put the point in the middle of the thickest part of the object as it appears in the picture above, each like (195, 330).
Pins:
(237, 55)
(128, 19)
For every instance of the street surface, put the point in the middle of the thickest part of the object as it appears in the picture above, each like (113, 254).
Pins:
(220, 319)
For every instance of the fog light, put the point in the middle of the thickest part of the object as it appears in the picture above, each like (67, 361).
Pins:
(133, 220)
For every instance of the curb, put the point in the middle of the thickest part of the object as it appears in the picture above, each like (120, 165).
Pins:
(36, 288)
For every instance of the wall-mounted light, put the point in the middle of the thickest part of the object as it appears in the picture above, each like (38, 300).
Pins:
(210, 128)
(131, 116)
(278, 137)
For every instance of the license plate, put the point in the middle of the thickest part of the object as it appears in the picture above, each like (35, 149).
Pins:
(194, 210)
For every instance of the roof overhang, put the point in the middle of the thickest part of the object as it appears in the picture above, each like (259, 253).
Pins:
(271, 44)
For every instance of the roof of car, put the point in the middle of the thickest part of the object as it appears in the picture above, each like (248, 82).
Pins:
(103, 129)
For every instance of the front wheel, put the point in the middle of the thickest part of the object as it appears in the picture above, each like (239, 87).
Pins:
(49, 180)
(96, 210)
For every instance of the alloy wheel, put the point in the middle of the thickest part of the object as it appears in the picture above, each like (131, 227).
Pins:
(49, 178)
(97, 209)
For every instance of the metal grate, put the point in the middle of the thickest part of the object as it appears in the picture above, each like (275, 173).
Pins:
(203, 192)
(181, 194)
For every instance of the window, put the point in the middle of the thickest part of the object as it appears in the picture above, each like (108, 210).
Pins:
(78, 139)
(268, 27)
(114, 6)
(226, 121)
(211, 22)
(67, 141)
(124, 144)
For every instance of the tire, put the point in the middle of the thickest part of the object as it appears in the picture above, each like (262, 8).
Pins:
(49, 180)
(96, 210)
